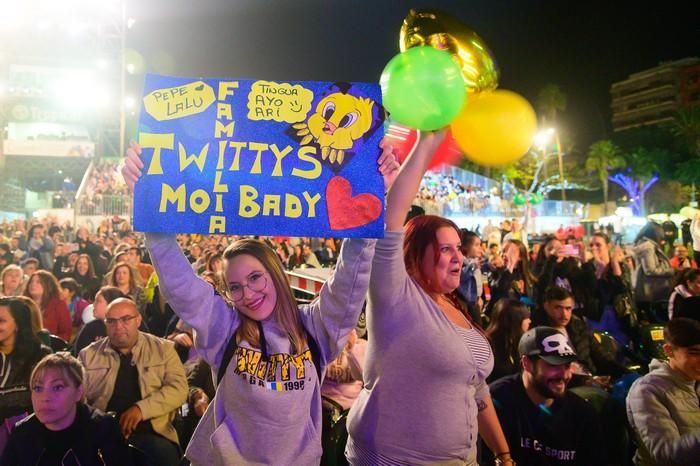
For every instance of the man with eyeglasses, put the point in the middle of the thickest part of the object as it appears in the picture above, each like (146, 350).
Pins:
(140, 378)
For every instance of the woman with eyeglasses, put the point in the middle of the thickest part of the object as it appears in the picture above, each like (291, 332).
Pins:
(267, 407)
(64, 430)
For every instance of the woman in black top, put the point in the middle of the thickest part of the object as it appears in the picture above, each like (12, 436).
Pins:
(63, 430)
(20, 350)
(510, 319)
(84, 274)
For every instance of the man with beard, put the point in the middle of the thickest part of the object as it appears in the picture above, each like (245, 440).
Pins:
(544, 423)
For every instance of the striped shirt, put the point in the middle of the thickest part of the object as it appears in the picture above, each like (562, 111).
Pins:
(477, 344)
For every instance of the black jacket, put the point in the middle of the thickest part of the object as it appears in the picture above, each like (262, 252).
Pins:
(100, 442)
(565, 434)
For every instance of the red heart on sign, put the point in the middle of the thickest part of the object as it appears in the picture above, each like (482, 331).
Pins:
(346, 211)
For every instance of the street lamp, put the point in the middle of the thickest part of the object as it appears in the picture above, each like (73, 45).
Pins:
(542, 141)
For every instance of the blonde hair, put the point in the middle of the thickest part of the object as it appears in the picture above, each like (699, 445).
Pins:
(70, 367)
(12, 268)
(286, 312)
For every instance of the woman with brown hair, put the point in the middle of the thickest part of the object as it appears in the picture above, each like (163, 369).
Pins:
(266, 410)
(84, 274)
(43, 288)
(425, 398)
(124, 277)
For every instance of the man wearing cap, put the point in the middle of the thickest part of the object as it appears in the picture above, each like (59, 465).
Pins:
(663, 407)
(544, 423)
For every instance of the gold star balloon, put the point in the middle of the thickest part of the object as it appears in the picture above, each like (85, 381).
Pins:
(441, 31)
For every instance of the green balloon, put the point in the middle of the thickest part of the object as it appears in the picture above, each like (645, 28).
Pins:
(536, 198)
(519, 199)
(423, 88)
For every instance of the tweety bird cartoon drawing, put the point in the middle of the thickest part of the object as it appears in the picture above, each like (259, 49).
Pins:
(339, 120)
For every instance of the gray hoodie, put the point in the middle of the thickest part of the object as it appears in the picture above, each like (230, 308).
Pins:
(664, 411)
(264, 412)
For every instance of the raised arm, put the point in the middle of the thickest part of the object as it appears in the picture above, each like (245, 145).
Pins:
(403, 192)
(192, 299)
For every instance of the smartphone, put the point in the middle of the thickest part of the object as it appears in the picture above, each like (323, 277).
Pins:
(570, 250)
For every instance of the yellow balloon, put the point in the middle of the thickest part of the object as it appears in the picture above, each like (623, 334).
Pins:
(441, 31)
(496, 128)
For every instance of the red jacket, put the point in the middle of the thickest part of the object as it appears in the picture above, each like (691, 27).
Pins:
(57, 319)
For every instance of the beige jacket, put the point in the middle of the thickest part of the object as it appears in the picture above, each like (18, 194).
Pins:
(161, 379)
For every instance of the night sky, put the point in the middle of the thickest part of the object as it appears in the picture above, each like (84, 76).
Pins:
(581, 46)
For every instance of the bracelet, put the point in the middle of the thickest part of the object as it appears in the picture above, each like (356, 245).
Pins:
(503, 459)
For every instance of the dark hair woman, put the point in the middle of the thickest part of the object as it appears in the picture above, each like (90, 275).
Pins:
(688, 286)
(510, 319)
(63, 429)
(84, 274)
(43, 288)
(20, 350)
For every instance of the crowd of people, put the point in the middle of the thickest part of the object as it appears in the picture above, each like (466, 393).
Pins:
(442, 194)
(479, 347)
(103, 185)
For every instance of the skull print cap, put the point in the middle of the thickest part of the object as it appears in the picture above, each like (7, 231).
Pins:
(549, 344)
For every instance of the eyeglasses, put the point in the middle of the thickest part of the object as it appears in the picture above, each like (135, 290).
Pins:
(256, 282)
(121, 320)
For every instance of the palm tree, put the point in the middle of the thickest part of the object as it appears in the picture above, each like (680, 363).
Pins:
(550, 100)
(686, 125)
(604, 156)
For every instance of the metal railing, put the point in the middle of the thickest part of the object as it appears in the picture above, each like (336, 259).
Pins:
(104, 204)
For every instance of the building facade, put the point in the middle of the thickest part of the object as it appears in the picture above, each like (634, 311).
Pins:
(653, 96)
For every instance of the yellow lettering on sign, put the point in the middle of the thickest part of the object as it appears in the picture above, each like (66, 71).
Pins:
(292, 206)
(271, 204)
(179, 101)
(279, 102)
(247, 207)
(307, 154)
(224, 111)
(186, 160)
(311, 201)
(226, 89)
(199, 201)
(217, 224)
(156, 142)
(220, 128)
(168, 195)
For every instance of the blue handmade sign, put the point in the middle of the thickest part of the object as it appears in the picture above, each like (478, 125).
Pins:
(251, 157)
